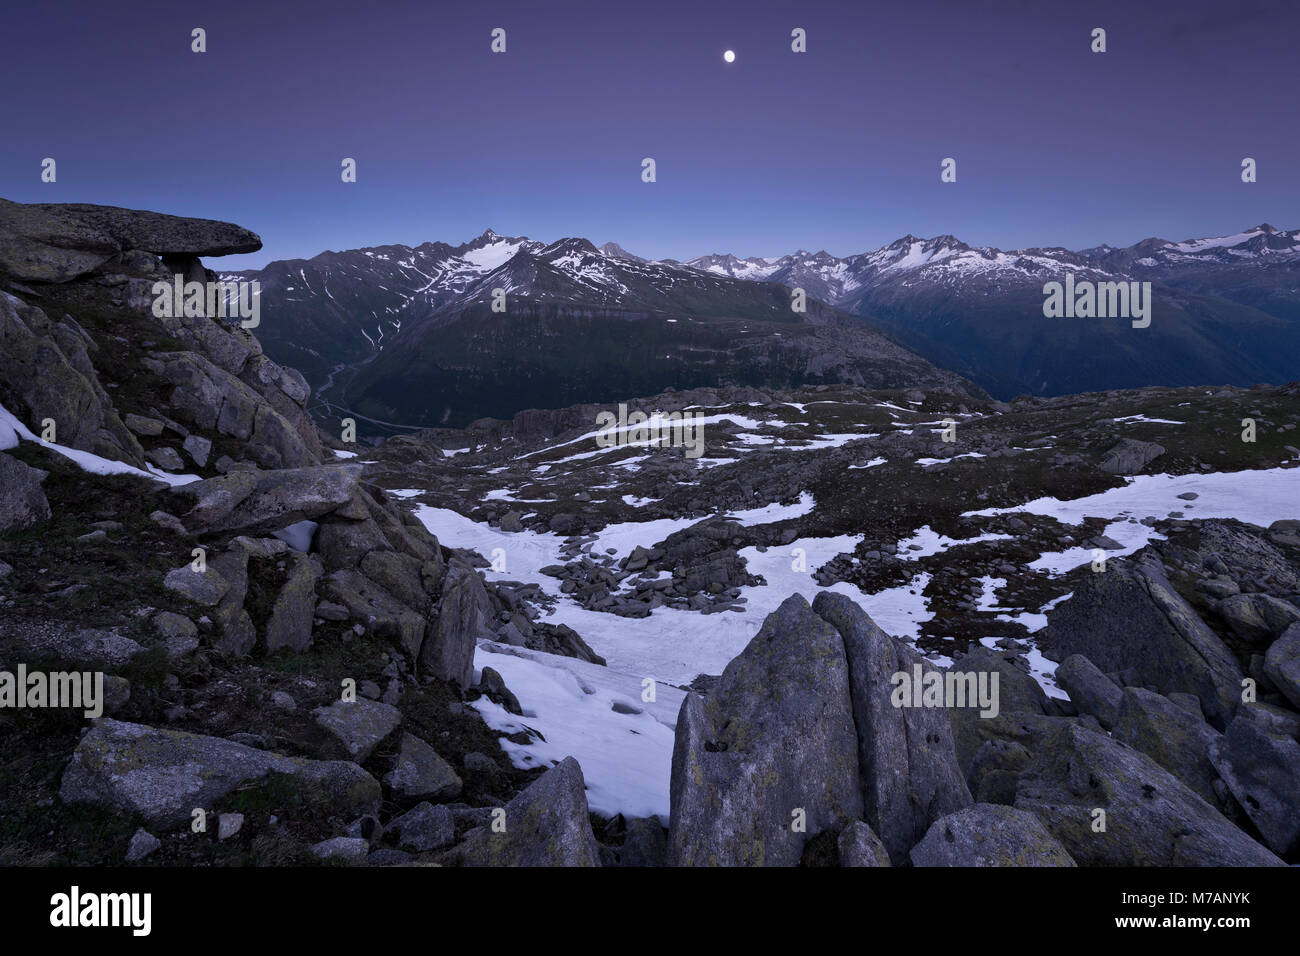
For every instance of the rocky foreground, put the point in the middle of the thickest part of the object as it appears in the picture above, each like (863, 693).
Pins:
(291, 652)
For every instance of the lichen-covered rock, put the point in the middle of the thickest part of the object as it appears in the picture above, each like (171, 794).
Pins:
(995, 770)
(1174, 738)
(1257, 617)
(381, 613)
(419, 773)
(84, 646)
(464, 616)
(986, 834)
(1263, 772)
(292, 614)
(909, 775)
(770, 759)
(358, 725)
(46, 372)
(424, 827)
(163, 775)
(545, 825)
(1151, 817)
(859, 846)
(1130, 617)
(22, 502)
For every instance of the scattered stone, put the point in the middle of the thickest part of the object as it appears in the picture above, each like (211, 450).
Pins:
(142, 844)
(349, 849)
(419, 773)
(198, 448)
(22, 502)
(1130, 456)
(358, 725)
(168, 459)
(425, 827)
(229, 825)
(545, 825)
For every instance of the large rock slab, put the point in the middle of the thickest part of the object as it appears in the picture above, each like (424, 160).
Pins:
(1263, 772)
(1282, 664)
(1131, 618)
(773, 745)
(545, 825)
(1257, 617)
(1176, 739)
(55, 242)
(163, 775)
(907, 762)
(986, 834)
(1151, 817)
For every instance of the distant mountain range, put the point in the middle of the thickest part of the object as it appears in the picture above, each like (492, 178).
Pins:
(408, 335)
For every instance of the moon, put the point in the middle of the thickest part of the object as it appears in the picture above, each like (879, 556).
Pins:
(730, 56)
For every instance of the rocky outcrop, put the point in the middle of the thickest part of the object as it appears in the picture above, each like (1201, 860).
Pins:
(1110, 805)
(46, 373)
(1131, 619)
(770, 758)
(907, 764)
(1263, 772)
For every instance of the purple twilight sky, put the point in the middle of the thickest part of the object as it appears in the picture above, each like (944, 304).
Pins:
(836, 148)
